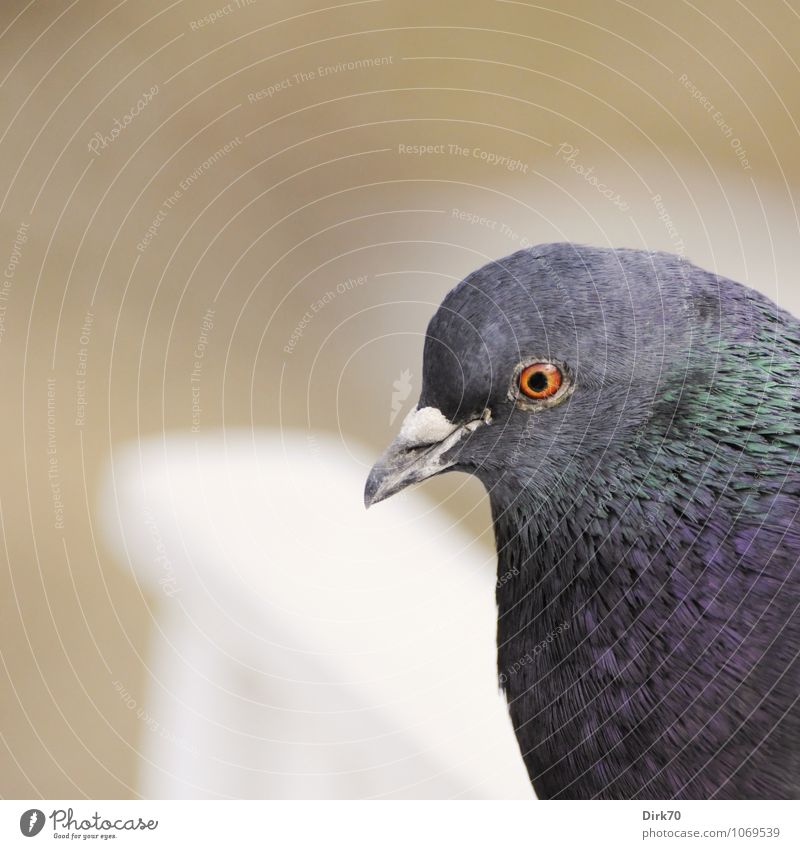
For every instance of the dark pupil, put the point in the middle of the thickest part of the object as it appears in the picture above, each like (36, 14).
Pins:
(537, 382)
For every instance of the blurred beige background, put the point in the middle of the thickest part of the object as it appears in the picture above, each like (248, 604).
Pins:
(190, 268)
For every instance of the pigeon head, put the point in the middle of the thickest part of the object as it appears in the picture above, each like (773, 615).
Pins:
(537, 365)
(635, 422)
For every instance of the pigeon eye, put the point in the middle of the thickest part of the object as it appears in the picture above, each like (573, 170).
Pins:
(540, 380)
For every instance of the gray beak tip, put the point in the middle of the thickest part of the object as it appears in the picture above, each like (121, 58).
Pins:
(368, 496)
(371, 489)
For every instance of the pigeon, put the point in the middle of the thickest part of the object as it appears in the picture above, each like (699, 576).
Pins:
(635, 421)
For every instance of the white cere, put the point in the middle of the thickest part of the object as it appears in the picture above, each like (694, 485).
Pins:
(429, 426)
(425, 427)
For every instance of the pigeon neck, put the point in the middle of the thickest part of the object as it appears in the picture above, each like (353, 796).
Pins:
(553, 589)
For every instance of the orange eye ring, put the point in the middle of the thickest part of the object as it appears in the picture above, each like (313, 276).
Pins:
(540, 380)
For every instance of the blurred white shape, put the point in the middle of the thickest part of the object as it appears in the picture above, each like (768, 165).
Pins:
(304, 647)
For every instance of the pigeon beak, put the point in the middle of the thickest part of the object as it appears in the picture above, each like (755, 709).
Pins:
(417, 453)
